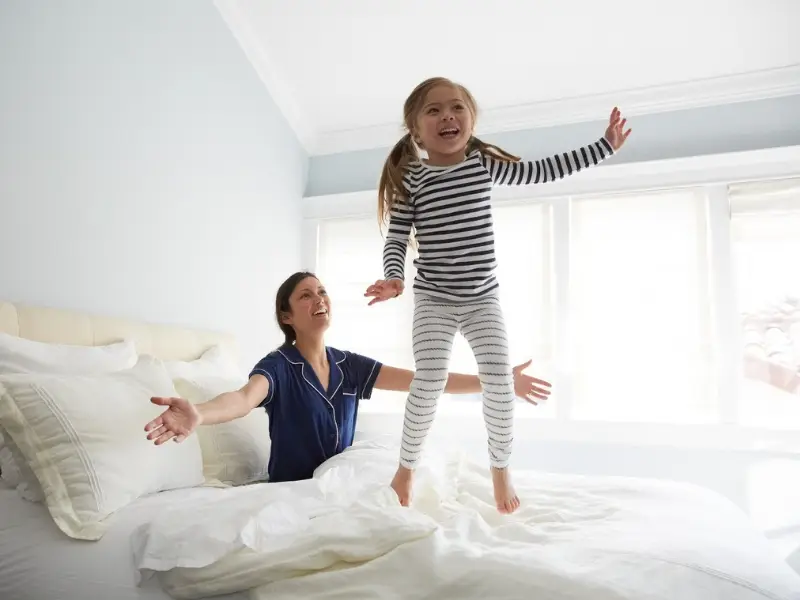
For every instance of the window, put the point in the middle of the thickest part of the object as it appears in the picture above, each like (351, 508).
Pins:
(350, 258)
(765, 236)
(657, 307)
(522, 246)
(639, 309)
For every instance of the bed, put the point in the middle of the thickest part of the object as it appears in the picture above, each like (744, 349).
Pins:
(38, 561)
(198, 521)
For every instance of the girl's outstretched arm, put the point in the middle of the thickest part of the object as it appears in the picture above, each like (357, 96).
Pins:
(559, 166)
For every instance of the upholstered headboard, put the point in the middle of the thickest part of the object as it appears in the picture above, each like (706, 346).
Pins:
(59, 326)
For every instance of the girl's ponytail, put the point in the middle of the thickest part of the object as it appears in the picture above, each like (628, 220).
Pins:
(390, 186)
(490, 150)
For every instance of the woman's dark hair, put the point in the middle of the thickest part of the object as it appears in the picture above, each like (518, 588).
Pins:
(282, 303)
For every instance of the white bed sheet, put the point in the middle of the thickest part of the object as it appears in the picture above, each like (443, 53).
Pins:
(38, 562)
(342, 536)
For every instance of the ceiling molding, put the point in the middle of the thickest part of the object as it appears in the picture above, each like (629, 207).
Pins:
(238, 23)
(757, 85)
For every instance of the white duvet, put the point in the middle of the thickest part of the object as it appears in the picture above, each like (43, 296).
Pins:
(342, 535)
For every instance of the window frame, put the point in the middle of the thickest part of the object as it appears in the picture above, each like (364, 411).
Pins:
(713, 174)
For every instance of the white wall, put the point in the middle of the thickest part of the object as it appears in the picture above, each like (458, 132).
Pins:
(144, 170)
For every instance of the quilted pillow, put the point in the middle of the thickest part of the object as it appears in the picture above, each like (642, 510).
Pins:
(83, 437)
(20, 355)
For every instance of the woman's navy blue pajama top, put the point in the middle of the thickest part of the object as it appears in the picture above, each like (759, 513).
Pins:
(308, 425)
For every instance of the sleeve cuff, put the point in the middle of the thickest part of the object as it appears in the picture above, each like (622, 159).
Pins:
(607, 145)
(271, 392)
(369, 384)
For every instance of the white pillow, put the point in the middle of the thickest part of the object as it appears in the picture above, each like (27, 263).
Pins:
(237, 452)
(15, 472)
(18, 474)
(8, 468)
(18, 355)
(214, 362)
(83, 436)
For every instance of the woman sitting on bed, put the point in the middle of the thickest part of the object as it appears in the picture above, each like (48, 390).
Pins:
(310, 391)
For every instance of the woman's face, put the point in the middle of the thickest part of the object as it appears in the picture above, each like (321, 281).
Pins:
(310, 308)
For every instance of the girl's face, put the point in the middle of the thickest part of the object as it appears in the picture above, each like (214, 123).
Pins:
(310, 308)
(444, 125)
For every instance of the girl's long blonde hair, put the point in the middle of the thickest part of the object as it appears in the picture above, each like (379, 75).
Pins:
(390, 186)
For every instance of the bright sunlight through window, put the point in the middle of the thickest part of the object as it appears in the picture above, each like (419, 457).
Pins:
(765, 232)
(630, 278)
(639, 309)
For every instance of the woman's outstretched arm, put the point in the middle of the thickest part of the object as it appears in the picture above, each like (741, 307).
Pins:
(526, 387)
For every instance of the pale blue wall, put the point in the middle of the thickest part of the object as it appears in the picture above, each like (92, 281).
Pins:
(728, 128)
(144, 169)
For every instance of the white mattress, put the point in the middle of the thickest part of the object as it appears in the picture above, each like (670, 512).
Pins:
(38, 562)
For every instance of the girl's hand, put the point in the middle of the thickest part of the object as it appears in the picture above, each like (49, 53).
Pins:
(384, 289)
(615, 133)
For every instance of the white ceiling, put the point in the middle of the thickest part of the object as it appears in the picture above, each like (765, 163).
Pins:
(341, 69)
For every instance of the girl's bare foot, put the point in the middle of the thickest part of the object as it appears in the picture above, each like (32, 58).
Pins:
(505, 496)
(401, 484)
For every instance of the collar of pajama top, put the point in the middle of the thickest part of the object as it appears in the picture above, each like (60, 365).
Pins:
(307, 424)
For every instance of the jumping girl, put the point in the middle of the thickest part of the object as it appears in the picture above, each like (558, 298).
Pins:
(446, 199)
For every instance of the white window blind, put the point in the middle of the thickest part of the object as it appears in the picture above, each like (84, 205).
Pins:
(639, 309)
(349, 259)
(765, 236)
(650, 333)
(522, 245)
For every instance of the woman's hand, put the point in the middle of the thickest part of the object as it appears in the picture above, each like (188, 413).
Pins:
(384, 289)
(615, 133)
(527, 387)
(177, 422)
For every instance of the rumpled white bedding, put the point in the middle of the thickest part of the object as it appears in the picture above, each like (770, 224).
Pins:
(342, 535)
